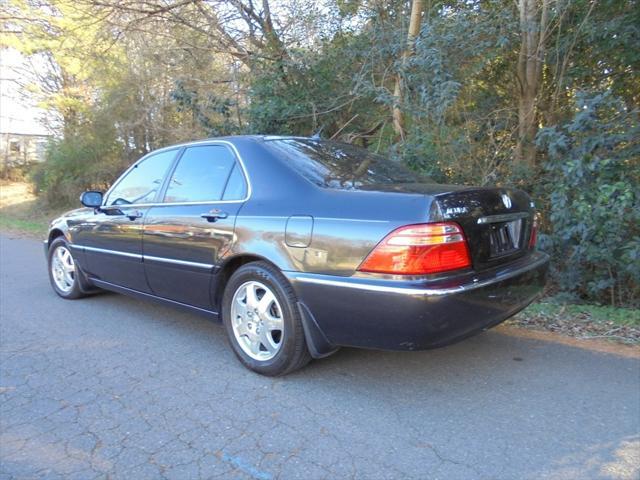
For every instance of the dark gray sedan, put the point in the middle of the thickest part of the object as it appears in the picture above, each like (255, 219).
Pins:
(301, 245)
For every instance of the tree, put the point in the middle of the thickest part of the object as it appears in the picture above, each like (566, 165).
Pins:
(534, 21)
(457, 89)
(414, 30)
(60, 54)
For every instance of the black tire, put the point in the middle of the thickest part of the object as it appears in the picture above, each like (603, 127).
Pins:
(75, 291)
(293, 353)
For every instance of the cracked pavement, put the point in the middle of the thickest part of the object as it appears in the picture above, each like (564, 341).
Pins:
(113, 387)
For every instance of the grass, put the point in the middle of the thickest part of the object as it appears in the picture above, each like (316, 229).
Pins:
(12, 224)
(597, 313)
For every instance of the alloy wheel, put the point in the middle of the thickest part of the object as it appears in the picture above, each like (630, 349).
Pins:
(257, 320)
(63, 269)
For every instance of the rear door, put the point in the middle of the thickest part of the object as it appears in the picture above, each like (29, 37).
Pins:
(193, 226)
(112, 238)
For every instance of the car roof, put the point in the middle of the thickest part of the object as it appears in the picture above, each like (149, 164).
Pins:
(234, 138)
(230, 138)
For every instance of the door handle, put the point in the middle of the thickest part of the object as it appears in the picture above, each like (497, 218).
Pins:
(133, 215)
(213, 215)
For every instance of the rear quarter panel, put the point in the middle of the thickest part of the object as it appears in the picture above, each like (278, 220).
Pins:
(346, 224)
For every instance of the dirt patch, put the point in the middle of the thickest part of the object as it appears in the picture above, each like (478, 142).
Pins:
(584, 322)
(15, 193)
(589, 343)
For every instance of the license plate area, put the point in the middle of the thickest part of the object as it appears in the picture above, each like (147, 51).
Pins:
(505, 238)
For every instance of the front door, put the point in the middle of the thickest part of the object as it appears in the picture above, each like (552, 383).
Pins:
(112, 239)
(193, 226)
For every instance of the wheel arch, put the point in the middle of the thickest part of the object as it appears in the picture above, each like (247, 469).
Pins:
(317, 342)
(86, 286)
(227, 269)
(53, 234)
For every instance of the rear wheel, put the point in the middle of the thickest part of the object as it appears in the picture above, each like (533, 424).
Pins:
(63, 272)
(262, 320)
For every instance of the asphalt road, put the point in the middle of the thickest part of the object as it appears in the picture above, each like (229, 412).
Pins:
(112, 387)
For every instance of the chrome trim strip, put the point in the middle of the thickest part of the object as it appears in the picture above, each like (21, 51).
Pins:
(284, 217)
(206, 266)
(261, 217)
(349, 283)
(502, 218)
(179, 262)
(170, 204)
(111, 252)
(336, 219)
(379, 288)
(177, 147)
(174, 204)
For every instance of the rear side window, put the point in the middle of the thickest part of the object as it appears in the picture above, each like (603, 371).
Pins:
(142, 182)
(236, 186)
(339, 165)
(201, 174)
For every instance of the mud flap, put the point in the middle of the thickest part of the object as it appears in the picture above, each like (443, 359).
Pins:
(318, 344)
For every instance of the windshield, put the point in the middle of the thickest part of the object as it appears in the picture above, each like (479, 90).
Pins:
(339, 165)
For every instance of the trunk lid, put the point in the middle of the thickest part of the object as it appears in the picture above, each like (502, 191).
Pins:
(497, 222)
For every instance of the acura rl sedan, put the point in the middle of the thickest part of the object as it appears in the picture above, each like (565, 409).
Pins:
(300, 246)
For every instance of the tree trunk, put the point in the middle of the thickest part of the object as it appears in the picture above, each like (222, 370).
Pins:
(414, 30)
(533, 31)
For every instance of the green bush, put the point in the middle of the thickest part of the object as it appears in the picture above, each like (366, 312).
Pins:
(592, 181)
(77, 163)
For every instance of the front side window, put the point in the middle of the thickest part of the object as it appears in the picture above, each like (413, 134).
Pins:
(142, 182)
(201, 175)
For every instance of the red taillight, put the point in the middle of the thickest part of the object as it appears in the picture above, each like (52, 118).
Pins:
(419, 250)
(534, 234)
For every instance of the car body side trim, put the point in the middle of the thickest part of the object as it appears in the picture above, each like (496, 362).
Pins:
(284, 217)
(206, 266)
(350, 282)
(110, 252)
(336, 219)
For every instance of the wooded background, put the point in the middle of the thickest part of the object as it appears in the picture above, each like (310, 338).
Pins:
(539, 94)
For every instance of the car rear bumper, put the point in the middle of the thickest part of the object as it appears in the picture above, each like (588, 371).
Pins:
(393, 314)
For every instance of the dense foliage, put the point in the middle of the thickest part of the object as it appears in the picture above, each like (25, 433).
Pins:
(594, 192)
(540, 94)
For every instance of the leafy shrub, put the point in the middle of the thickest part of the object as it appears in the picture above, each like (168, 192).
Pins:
(78, 163)
(15, 173)
(593, 178)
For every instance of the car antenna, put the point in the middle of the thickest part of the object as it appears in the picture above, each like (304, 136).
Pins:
(317, 136)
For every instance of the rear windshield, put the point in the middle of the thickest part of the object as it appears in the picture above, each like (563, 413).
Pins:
(339, 165)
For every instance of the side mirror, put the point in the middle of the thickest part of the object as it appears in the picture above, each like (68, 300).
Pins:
(91, 199)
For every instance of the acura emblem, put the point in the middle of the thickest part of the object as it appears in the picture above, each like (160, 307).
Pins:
(506, 200)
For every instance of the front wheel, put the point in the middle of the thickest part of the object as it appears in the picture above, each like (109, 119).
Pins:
(262, 320)
(63, 272)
